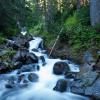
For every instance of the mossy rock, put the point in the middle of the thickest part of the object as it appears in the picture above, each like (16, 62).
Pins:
(6, 55)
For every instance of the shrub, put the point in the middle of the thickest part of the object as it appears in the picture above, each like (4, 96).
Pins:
(2, 39)
(83, 15)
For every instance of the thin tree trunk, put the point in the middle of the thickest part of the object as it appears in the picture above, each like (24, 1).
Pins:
(78, 5)
(95, 12)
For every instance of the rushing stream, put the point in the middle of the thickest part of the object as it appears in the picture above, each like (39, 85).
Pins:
(43, 88)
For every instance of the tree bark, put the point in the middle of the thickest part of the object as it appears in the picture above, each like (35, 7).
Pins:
(95, 12)
(78, 5)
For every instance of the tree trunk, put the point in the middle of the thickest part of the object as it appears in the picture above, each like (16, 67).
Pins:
(78, 5)
(95, 12)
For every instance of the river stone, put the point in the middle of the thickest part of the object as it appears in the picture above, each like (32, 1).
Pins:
(78, 90)
(11, 83)
(28, 68)
(13, 44)
(94, 90)
(21, 77)
(17, 65)
(60, 67)
(33, 77)
(32, 58)
(69, 75)
(61, 85)
(35, 50)
(43, 60)
(88, 84)
(87, 79)
(25, 57)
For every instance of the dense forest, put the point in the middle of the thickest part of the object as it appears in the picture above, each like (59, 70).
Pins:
(70, 30)
(79, 19)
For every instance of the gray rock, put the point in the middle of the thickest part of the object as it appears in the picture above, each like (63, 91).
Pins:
(43, 60)
(78, 90)
(28, 68)
(60, 67)
(88, 84)
(61, 85)
(25, 57)
(33, 77)
(94, 90)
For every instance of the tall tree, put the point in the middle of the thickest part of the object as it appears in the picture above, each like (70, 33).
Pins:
(95, 12)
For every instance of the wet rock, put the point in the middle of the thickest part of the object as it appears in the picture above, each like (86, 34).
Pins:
(12, 81)
(41, 45)
(25, 81)
(26, 44)
(78, 90)
(13, 44)
(32, 58)
(17, 65)
(94, 90)
(25, 57)
(9, 86)
(19, 56)
(28, 68)
(96, 66)
(60, 67)
(69, 75)
(21, 78)
(86, 80)
(43, 60)
(61, 85)
(88, 84)
(33, 77)
(35, 50)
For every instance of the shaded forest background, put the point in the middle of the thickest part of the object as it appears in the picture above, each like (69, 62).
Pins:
(80, 20)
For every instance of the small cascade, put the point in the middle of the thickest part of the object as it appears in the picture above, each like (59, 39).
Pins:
(45, 79)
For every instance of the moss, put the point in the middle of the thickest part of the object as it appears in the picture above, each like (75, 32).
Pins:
(6, 55)
(2, 40)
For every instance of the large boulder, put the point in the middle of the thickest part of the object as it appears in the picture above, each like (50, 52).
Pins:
(61, 85)
(60, 68)
(25, 57)
(87, 84)
(94, 90)
(32, 58)
(33, 77)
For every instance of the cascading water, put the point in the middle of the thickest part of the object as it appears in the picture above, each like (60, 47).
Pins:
(43, 89)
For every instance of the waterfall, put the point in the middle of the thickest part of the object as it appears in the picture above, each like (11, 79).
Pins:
(43, 88)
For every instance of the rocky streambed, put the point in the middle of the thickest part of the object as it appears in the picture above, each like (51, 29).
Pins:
(28, 73)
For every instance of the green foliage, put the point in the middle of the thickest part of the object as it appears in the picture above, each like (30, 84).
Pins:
(48, 38)
(7, 54)
(2, 39)
(72, 20)
(12, 11)
(77, 32)
(37, 29)
(84, 15)
(10, 31)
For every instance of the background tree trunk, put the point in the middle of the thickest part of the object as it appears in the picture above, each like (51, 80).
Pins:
(95, 12)
(78, 5)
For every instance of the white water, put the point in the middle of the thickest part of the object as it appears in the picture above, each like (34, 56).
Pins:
(43, 89)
